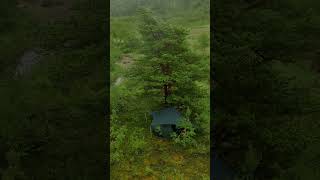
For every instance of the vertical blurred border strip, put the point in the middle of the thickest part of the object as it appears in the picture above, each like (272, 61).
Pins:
(108, 107)
(219, 170)
(211, 88)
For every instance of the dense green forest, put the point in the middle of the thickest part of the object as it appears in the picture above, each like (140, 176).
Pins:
(159, 57)
(53, 89)
(266, 87)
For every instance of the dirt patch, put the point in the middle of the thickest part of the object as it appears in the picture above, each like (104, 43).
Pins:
(177, 158)
(126, 61)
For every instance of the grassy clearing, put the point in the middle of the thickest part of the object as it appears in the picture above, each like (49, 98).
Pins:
(195, 35)
(162, 159)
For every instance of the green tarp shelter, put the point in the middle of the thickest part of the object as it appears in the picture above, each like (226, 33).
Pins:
(165, 121)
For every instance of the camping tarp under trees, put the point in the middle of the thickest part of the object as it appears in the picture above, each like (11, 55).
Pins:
(166, 119)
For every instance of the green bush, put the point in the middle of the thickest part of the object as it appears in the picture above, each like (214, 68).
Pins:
(132, 43)
(186, 136)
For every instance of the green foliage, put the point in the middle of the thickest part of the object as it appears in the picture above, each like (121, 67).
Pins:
(117, 141)
(186, 135)
(132, 43)
(204, 41)
(158, 130)
(168, 67)
(125, 144)
(148, 170)
(123, 34)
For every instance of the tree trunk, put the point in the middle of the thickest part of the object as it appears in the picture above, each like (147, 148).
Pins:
(166, 93)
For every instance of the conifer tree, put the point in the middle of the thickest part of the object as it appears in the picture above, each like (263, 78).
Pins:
(169, 70)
